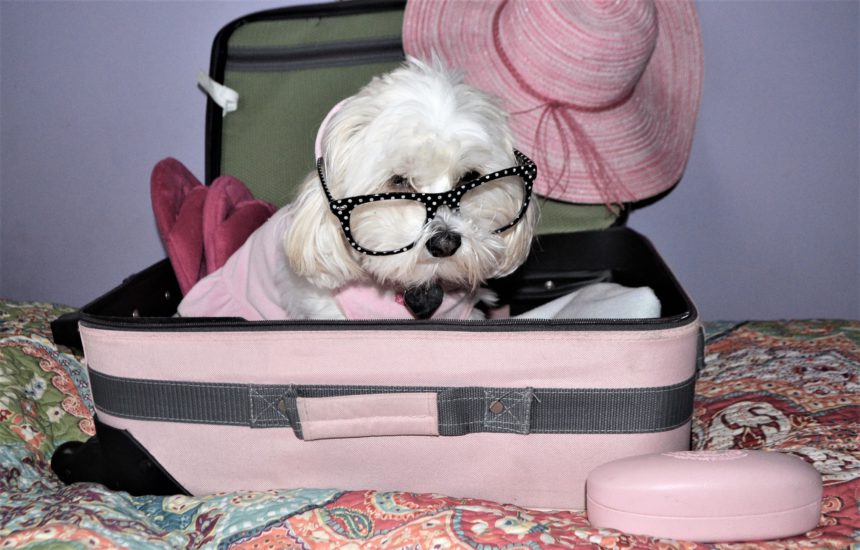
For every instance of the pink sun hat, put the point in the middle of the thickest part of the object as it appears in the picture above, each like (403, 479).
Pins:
(603, 94)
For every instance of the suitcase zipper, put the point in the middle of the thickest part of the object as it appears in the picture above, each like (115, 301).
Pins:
(492, 325)
(333, 54)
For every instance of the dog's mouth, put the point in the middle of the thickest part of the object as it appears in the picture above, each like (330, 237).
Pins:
(423, 301)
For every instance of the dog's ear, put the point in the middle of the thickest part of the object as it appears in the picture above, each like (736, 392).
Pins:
(315, 245)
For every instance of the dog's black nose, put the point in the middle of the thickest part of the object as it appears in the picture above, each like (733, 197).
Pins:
(444, 244)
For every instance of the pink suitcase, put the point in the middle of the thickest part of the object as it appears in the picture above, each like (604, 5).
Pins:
(512, 410)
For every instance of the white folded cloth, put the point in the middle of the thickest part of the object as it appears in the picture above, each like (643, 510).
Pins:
(600, 301)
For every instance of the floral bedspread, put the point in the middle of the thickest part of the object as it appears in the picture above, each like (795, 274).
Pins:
(792, 386)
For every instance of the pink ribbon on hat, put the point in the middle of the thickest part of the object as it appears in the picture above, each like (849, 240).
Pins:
(611, 190)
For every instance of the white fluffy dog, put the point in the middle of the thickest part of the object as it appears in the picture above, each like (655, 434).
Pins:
(419, 129)
(419, 194)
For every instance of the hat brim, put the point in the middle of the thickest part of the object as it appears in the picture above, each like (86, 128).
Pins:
(645, 141)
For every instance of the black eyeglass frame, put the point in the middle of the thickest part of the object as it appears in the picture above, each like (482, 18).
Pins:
(342, 208)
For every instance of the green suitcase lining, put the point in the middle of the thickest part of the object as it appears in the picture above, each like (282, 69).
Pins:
(290, 72)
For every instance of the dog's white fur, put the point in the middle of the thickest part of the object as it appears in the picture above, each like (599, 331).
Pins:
(422, 122)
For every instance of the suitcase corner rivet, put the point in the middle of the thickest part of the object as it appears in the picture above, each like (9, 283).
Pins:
(497, 407)
(167, 295)
(135, 313)
(282, 406)
(549, 285)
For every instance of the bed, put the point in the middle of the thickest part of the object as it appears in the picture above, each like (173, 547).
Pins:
(791, 386)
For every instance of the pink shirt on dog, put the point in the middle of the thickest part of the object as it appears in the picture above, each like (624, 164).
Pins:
(246, 286)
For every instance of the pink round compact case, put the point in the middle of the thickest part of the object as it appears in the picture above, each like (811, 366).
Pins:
(706, 496)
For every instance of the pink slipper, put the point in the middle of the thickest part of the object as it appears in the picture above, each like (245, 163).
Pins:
(177, 202)
(230, 215)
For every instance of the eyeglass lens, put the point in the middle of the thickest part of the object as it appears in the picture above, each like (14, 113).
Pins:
(394, 224)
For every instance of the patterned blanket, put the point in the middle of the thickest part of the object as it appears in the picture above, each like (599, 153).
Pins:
(791, 386)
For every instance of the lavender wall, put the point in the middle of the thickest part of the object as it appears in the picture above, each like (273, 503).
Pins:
(764, 225)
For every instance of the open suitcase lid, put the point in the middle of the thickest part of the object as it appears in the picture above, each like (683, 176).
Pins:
(289, 67)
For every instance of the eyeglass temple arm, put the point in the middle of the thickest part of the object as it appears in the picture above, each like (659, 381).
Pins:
(320, 173)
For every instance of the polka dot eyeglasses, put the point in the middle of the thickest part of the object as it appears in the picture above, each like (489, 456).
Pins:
(382, 224)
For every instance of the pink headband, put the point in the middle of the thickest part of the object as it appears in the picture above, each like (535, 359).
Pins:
(323, 126)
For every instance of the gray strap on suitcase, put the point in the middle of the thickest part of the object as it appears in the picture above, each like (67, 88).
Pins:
(461, 410)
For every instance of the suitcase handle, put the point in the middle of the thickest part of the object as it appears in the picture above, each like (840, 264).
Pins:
(368, 415)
